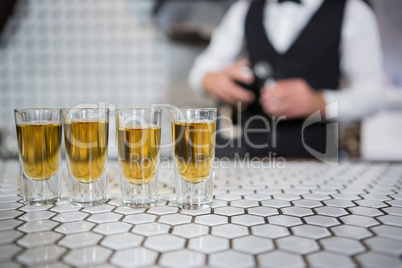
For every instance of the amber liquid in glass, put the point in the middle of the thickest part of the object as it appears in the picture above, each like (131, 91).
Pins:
(194, 148)
(86, 143)
(39, 145)
(138, 153)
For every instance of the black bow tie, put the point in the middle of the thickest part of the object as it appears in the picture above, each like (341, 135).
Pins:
(294, 1)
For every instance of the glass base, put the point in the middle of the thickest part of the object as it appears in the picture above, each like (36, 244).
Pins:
(33, 202)
(193, 206)
(194, 195)
(88, 204)
(139, 195)
(139, 203)
(41, 192)
(87, 194)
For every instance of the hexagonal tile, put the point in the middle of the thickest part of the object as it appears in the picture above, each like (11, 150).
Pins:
(139, 218)
(392, 211)
(80, 240)
(252, 244)
(365, 211)
(371, 203)
(39, 239)
(7, 252)
(70, 216)
(342, 246)
(187, 258)
(391, 220)
(211, 219)
(152, 228)
(318, 197)
(99, 209)
(38, 226)
(343, 196)
(394, 203)
(218, 203)
(164, 243)
(248, 220)
(40, 255)
(391, 232)
(350, 231)
(135, 257)
(229, 230)
(9, 224)
(190, 230)
(37, 215)
(174, 219)
(276, 203)
(326, 259)
(377, 197)
(269, 231)
(257, 197)
(35, 208)
(284, 220)
(75, 227)
(322, 221)
(105, 217)
(127, 210)
(162, 210)
(112, 228)
(310, 231)
(297, 245)
(287, 197)
(263, 211)
(280, 259)
(62, 208)
(208, 244)
(230, 259)
(331, 211)
(7, 237)
(359, 220)
(307, 203)
(384, 246)
(196, 212)
(339, 203)
(122, 241)
(227, 197)
(297, 211)
(87, 256)
(229, 211)
(9, 206)
(244, 203)
(372, 259)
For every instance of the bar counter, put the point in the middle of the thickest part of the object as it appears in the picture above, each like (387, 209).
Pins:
(300, 214)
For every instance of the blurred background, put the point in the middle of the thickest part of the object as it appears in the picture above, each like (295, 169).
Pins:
(134, 53)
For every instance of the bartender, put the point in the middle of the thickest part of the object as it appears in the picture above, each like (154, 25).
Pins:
(319, 52)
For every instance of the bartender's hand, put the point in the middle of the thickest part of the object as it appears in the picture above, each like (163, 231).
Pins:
(221, 84)
(293, 98)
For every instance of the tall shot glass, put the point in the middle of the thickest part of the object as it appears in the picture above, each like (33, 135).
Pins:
(138, 141)
(39, 133)
(86, 142)
(193, 132)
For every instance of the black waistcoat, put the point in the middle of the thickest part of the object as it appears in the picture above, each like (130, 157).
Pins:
(314, 57)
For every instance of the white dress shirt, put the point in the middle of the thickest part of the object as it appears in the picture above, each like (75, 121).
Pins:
(360, 50)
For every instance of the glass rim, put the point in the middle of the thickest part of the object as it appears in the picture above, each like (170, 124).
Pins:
(36, 109)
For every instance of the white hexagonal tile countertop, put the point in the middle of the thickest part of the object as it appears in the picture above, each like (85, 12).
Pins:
(305, 214)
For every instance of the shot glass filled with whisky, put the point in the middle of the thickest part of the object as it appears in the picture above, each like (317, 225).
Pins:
(86, 143)
(193, 132)
(39, 133)
(138, 141)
